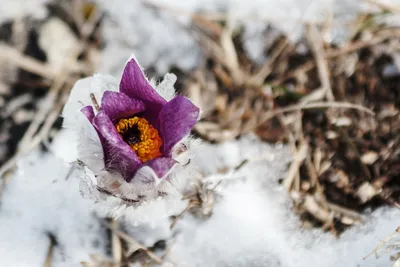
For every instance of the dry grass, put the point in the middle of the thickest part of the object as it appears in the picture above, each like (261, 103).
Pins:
(333, 106)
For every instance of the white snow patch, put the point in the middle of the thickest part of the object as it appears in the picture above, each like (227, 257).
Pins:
(19, 8)
(39, 200)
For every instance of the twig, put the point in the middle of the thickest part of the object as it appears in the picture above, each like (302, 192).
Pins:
(211, 47)
(133, 242)
(37, 139)
(305, 67)
(16, 104)
(94, 102)
(354, 46)
(318, 212)
(116, 243)
(213, 28)
(50, 252)
(315, 105)
(52, 116)
(382, 243)
(71, 170)
(266, 69)
(298, 159)
(179, 216)
(384, 6)
(223, 76)
(292, 144)
(332, 53)
(43, 111)
(298, 138)
(317, 47)
(231, 57)
(349, 213)
(27, 63)
(46, 114)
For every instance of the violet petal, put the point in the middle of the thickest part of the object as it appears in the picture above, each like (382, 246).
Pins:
(177, 118)
(118, 105)
(88, 112)
(161, 166)
(135, 85)
(118, 156)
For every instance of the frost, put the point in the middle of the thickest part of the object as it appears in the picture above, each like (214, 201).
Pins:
(166, 87)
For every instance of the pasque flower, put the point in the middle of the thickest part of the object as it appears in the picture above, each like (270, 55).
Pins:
(134, 148)
(138, 128)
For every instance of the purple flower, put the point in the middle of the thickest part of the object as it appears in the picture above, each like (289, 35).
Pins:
(137, 127)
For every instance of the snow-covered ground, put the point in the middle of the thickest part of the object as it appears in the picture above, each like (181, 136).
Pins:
(161, 37)
(252, 223)
(39, 201)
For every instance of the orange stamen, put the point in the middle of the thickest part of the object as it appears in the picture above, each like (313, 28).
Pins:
(149, 142)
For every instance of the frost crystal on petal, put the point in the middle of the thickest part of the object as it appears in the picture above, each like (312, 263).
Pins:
(166, 87)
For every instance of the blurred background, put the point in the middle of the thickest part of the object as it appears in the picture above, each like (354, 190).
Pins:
(320, 77)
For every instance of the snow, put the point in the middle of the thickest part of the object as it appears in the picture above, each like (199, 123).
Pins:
(20, 8)
(38, 201)
(159, 43)
(252, 224)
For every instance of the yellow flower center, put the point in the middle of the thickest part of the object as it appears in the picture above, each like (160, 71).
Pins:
(141, 137)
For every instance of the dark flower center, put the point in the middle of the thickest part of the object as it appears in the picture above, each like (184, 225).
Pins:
(132, 135)
(141, 137)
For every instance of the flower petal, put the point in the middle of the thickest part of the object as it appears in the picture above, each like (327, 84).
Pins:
(176, 120)
(118, 156)
(118, 105)
(159, 168)
(88, 112)
(135, 85)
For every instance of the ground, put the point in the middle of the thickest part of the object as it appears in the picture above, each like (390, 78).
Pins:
(300, 153)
